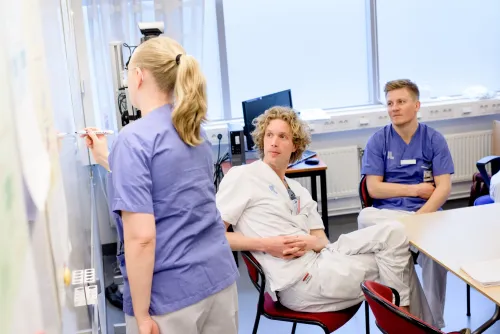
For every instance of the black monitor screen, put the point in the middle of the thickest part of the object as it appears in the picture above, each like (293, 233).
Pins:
(256, 107)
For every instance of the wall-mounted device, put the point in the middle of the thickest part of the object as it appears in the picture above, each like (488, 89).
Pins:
(125, 112)
(236, 145)
(151, 29)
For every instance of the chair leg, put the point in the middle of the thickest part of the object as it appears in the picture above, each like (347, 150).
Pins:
(256, 324)
(294, 327)
(235, 254)
(468, 300)
(367, 317)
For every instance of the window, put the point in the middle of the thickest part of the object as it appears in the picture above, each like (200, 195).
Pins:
(330, 53)
(148, 11)
(444, 46)
(317, 48)
(210, 62)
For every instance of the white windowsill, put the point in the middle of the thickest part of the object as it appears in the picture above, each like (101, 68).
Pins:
(362, 117)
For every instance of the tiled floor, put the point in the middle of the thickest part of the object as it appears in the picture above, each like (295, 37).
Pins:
(455, 312)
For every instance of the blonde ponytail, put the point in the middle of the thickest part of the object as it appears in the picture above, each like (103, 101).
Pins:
(190, 109)
(182, 76)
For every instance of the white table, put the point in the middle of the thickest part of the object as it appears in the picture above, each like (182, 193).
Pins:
(456, 237)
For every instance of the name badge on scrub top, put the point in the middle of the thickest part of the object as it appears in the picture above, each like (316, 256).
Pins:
(428, 176)
(408, 162)
(296, 205)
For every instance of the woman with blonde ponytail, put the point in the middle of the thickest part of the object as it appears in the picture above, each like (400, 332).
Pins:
(177, 265)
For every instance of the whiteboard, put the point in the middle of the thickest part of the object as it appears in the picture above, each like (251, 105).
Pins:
(62, 231)
(16, 260)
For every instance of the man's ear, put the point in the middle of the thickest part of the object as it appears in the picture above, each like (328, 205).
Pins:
(418, 105)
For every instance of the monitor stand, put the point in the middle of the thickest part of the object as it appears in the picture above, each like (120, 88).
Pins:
(248, 139)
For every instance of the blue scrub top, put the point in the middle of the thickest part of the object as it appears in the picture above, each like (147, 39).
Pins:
(386, 154)
(155, 172)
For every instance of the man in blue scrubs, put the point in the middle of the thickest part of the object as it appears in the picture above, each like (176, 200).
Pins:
(408, 167)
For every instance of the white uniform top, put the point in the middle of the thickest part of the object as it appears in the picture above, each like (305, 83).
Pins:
(255, 201)
(495, 187)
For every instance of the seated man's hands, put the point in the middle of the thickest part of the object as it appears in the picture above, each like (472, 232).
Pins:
(311, 242)
(278, 247)
(424, 190)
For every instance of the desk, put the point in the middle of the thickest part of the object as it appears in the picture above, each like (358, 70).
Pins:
(455, 237)
(303, 170)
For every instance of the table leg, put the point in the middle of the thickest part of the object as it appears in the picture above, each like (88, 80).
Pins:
(324, 201)
(489, 323)
(314, 188)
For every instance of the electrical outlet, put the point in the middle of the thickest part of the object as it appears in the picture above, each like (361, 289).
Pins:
(434, 113)
(212, 133)
(495, 108)
(215, 140)
(329, 125)
(484, 108)
(447, 112)
(379, 118)
(440, 112)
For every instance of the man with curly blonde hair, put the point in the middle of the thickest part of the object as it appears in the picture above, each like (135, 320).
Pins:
(276, 219)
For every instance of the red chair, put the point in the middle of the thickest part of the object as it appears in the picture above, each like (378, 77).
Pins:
(480, 189)
(328, 321)
(364, 196)
(367, 201)
(389, 317)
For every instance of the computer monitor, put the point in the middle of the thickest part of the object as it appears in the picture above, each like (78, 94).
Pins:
(256, 107)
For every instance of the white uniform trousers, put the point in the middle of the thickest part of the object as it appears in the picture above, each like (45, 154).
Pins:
(433, 274)
(378, 253)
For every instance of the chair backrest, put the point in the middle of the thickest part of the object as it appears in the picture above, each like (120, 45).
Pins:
(478, 188)
(390, 318)
(494, 162)
(364, 196)
(255, 271)
(257, 276)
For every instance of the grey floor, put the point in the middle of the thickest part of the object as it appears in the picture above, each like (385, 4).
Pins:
(455, 311)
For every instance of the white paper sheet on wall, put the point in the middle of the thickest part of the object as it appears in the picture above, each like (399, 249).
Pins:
(29, 124)
(13, 225)
(35, 161)
(14, 231)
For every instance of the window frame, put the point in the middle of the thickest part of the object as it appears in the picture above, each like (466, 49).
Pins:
(376, 101)
(372, 59)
